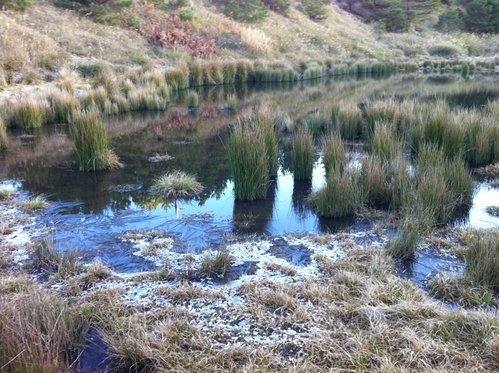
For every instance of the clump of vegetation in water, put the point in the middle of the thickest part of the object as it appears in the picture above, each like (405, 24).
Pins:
(333, 152)
(29, 112)
(248, 161)
(178, 185)
(264, 122)
(348, 121)
(4, 141)
(192, 100)
(338, 198)
(303, 154)
(384, 142)
(91, 143)
(482, 258)
(375, 183)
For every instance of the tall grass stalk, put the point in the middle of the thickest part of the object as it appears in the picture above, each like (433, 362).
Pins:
(264, 122)
(303, 154)
(248, 162)
(377, 192)
(91, 143)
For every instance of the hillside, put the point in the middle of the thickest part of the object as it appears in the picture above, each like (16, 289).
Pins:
(38, 42)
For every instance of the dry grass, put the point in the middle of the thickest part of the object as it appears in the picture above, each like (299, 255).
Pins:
(35, 203)
(96, 272)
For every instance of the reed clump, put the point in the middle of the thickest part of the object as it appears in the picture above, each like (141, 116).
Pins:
(303, 154)
(384, 142)
(248, 161)
(333, 152)
(482, 258)
(263, 120)
(91, 143)
(29, 112)
(374, 182)
(339, 197)
(217, 265)
(349, 121)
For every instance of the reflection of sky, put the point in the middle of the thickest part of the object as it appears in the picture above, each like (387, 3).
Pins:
(485, 196)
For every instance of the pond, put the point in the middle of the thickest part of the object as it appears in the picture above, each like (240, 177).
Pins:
(92, 211)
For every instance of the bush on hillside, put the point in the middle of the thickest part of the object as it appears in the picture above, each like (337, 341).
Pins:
(314, 9)
(451, 20)
(245, 11)
(482, 15)
(15, 4)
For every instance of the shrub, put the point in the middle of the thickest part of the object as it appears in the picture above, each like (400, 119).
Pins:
(4, 142)
(443, 51)
(178, 185)
(246, 11)
(451, 20)
(482, 15)
(314, 9)
(279, 6)
(303, 154)
(333, 153)
(192, 100)
(338, 198)
(248, 162)
(91, 143)
(19, 5)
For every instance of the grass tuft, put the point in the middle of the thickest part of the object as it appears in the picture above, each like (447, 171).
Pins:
(48, 259)
(303, 154)
(248, 162)
(333, 153)
(482, 259)
(192, 100)
(91, 143)
(217, 265)
(34, 204)
(4, 141)
(338, 198)
(178, 185)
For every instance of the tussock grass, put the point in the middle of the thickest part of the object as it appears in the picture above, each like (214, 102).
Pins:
(6, 194)
(316, 122)
(303, 154)
(177, 185)
(185, 292)
(47, 258)
(192, 100)
(217, 265)
(264, 122)
(63, 104)
(35, 203)
(4, 141)
(14, 284)
(482, 258)
(461, 291)
(29, 112)
(384, 142)
(349, 121)
(248, 162)
(333, 152)
(96, 272)
(338, 198)
(404, 246)
(39, 333)
(91, 143)
(381, 111)
(375, 185)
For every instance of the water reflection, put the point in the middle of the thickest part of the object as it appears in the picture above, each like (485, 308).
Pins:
(91, 210)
